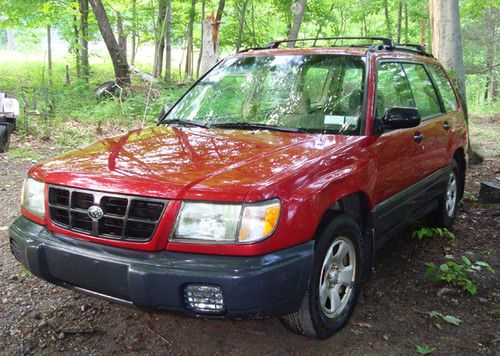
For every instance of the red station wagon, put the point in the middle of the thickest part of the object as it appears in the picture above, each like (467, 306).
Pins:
(265, 190)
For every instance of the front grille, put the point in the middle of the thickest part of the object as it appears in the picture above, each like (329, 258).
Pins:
(128, 218)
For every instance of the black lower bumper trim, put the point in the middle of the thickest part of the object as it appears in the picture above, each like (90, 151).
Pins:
(255, 286)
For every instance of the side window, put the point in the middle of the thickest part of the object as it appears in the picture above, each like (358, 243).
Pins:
(444, 87)
(392, 88)
(424, 94)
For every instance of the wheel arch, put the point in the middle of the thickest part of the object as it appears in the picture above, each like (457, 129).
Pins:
(358, 206)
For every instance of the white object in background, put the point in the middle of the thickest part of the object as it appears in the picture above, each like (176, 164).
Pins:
(9, 106)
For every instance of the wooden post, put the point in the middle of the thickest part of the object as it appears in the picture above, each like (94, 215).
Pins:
(49, 56)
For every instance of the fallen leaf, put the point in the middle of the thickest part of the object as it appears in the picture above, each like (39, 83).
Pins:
(452, 320)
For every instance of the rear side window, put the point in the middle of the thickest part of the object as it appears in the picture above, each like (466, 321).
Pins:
(444, 87)
(424, 94)
(392, 88)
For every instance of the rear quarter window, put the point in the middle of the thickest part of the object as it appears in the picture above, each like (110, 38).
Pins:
(444, 87)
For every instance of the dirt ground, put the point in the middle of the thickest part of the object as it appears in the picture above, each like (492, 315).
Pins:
(392, 316)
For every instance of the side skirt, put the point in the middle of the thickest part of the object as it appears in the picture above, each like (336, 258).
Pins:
(408, 206)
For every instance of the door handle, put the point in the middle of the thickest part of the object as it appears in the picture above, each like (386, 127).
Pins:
(418, 137)
(446, 126)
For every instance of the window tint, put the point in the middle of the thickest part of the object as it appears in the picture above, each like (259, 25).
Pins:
(392, 88)
(444, 87)
(423, 91)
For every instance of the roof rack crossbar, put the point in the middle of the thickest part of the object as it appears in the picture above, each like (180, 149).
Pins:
(385, 41)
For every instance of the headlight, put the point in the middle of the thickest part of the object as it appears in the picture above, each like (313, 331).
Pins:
(227, 223)
(32, 196)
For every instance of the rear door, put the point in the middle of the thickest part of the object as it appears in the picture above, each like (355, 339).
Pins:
(449, 103)
(431, 138)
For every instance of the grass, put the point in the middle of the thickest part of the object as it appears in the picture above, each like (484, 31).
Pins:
(25, 154)
(78, 112)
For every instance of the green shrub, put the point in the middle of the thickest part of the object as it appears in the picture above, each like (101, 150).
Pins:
(457, 274)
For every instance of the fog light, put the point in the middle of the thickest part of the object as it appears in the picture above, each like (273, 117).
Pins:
(204, 299)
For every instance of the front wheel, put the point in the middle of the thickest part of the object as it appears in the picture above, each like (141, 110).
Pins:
(334, 282)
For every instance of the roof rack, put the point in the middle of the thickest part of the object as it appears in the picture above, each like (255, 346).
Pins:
(275, 44)
(385, 43)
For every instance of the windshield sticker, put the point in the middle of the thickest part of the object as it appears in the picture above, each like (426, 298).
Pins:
(339, 120)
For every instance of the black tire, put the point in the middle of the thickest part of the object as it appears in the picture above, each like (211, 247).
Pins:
(4, 139)
(311, 319)
(443, 216)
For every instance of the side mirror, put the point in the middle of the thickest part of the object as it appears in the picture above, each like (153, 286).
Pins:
(165, 109)
(401, 118)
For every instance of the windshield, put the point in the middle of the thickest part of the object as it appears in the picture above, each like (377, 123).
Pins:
(312, 93)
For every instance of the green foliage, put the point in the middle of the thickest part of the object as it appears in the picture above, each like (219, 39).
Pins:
(424, 349)
(457, 274)
(428, 232)
(468, 196)
(487, 251)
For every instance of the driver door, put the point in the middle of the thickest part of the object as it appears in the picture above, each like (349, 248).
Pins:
(395, 150)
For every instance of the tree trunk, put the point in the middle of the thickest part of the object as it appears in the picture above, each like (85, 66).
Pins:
(159, 38)
(423, 26)
(387, 19)
(134, 32)
(220, 10)
(49, 55)
(122, 38)
(84, 34)
(168, 42)
(363, 14)
(323, 23)
(491, 24)
(241, 25)
(252, 25)
(447, 42)
(300, 7)
(210, 45)
(189, 47)
(11, 43)
(202, 39)
(75, 47)
(400, 19)
(407, 39)
(118, 57)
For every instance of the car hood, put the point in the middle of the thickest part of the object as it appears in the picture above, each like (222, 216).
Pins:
(190, 163)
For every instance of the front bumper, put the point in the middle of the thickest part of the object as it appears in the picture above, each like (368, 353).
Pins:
(272, 284)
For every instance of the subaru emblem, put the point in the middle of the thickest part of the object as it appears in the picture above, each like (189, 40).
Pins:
(95, 212)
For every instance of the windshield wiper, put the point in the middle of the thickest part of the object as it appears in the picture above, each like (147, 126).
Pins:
(250, 125)
(184, 123)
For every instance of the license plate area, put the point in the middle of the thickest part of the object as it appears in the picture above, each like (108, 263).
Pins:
(105, 277)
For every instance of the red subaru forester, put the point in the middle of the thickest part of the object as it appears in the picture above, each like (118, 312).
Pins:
(264, 190)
